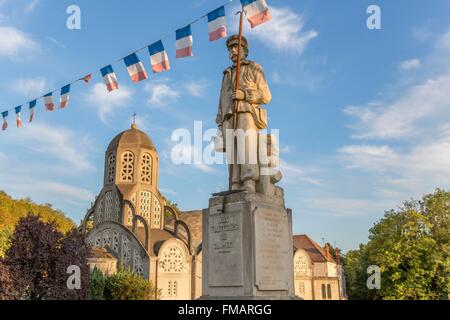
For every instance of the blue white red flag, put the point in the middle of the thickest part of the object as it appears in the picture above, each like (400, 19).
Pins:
(32, 105)
(48, 100)
(18, 120)
(5, 120)
(158, 57)
(64, 97)
(135, 68)
(257, 11)
(184, 42)
(110, 79)
(217, 24)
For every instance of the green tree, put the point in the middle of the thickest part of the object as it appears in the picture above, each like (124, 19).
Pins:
(11, 211)
(5, 240)
(411, 247)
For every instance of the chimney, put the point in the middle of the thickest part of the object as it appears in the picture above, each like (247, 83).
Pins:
(327, 250)
(338, 257)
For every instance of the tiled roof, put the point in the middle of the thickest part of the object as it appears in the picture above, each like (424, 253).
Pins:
(314, 250)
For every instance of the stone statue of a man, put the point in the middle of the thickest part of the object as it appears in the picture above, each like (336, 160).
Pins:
(253, 91)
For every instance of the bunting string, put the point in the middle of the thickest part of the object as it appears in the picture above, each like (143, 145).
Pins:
(256, 11)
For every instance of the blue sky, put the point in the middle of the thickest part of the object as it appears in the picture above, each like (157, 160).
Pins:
(364, 115)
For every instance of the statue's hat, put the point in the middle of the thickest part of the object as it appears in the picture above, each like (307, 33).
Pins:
(234, 39)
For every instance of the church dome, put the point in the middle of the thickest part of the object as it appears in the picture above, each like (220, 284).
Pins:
(132, 137)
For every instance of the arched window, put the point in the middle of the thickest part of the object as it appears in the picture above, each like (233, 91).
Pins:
(156, 213)
(172, 260)
(172, 289)
(301, 266)
(109, 205)
(302, 289)
(99, 212)
(145, 205)
(127, 167)
(146, 168)
(111, 169)
(324, 292)
(130, 212)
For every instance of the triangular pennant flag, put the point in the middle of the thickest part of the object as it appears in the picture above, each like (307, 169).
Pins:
(87, 78)
(110, 79)
(217, 24)
(32, 105)
(158, 57)
(18, 120)
(135, 68)
(5, 120)
(64, 98)
(48, 100)
(184, 42)
(257, 11)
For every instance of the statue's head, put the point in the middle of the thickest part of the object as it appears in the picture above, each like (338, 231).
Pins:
(232, 46)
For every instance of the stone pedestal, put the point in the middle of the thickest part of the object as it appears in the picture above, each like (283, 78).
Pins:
(247, 247)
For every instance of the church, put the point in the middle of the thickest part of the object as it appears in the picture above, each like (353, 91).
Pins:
(132, 225)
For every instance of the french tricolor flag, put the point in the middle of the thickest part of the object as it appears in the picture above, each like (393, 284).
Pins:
(135, 68)
(184, 42)
(5, 120)
(217, 24)
(110, 79)
(18, 120)
(256, 11)
(158, 57)
(48, 100)
(64, 98)
(32, 105)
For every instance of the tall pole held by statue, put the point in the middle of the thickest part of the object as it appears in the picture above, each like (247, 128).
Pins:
(236, 103)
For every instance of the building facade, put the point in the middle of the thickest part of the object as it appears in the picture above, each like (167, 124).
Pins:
(317, 275)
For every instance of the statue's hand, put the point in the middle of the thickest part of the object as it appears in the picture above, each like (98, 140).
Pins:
(238, 95)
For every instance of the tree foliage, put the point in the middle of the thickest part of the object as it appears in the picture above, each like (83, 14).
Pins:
(412, 248)
(11, 211)
(97, 284)
(38, 258)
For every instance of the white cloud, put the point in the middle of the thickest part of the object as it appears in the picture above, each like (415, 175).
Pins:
(29, 87)
(197, 88)
(284, 32)
(368, 157)
(331, 205)
(411, 64)
(405, 172)
(167, 191)
(22, 180)
(55, 142)
(161, 93)
(15, 44)
(402, 118)
(295, 174)
(107, 102)
(55, 42)
(31, 6)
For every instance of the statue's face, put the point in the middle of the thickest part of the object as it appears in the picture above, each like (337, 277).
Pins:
(233, 50)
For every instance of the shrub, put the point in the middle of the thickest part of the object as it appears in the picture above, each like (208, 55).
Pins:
(126, 285)
(97, 285)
